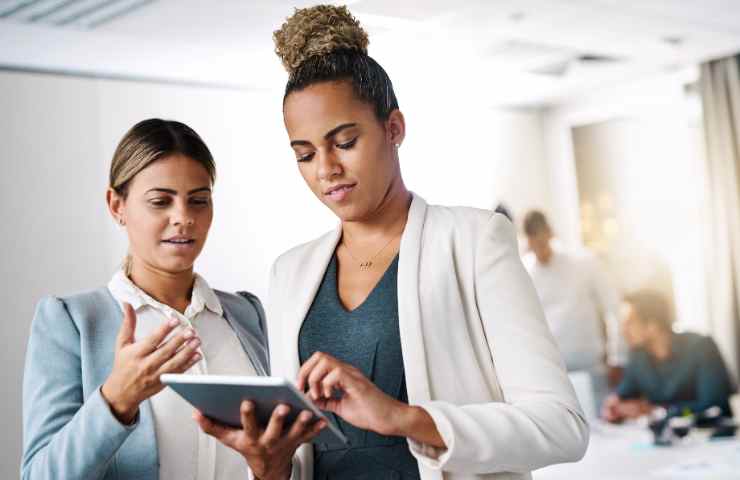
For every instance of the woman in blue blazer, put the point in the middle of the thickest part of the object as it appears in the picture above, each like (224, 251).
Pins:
(93, 405)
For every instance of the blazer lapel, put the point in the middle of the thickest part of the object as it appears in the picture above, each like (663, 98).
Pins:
(409, 309)
(307, 285)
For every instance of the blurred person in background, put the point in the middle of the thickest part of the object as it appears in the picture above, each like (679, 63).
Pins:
(678, 371)
(581, 306)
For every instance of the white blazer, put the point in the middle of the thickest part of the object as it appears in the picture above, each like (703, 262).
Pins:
(477, 353)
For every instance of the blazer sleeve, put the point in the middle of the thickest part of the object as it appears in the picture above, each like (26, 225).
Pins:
(539, 421)
(64, 435)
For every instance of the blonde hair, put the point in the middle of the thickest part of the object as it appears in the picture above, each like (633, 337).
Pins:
(326, 43)
(318, 31)
(145, 143)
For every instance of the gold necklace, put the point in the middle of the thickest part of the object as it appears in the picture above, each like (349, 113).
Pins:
(367, 265)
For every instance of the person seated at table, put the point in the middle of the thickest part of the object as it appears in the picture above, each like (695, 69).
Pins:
(678, 371)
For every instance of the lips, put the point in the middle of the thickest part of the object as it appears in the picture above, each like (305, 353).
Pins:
(179, 241)
(339, 192)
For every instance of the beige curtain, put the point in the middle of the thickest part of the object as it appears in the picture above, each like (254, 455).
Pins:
(720, 92)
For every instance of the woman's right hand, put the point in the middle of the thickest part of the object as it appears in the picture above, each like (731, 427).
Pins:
(269, 451)
(138, 365)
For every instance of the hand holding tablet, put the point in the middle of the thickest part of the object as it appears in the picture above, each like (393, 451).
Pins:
(219, 397)
(263, 418)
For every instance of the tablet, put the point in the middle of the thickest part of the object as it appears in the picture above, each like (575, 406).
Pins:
(220, 396)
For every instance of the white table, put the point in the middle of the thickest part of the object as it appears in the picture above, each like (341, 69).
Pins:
(626, 452)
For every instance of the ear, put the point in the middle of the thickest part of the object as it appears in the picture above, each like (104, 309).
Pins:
(396, 127)
(116, 205)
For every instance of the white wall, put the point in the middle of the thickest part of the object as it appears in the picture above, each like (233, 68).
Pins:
(651, 135)
(58, 134)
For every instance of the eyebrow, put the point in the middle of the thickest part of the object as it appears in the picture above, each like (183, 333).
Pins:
(327, 135)
(174, 192)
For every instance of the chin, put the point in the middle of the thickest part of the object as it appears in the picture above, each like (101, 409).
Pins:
(178, 266)
(349, 213)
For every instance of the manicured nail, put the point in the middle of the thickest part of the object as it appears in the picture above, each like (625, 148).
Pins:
(196, 357)
(173, 322)
(188, 333)
(194, 342)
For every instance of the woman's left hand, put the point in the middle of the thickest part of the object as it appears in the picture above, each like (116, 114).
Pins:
(357, 399)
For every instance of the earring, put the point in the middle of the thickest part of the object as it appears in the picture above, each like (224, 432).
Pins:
(398, 145)
(121, 222)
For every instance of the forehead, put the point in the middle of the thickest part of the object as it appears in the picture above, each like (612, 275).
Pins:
(311, 112)
(172, 171)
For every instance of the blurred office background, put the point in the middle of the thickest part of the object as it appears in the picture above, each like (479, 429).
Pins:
(593, 111)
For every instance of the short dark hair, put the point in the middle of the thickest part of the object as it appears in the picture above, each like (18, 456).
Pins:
(651, 308)
(504, 210)
(535, 222)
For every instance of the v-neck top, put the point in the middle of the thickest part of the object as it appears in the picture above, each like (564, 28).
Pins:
(368, 338)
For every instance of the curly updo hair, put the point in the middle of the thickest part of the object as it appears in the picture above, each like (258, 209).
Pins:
(326, 43)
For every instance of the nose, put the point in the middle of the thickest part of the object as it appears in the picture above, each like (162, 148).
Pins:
(328, 165)
(181, 215)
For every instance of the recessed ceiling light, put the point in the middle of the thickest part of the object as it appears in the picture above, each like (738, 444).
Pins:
(673, 40)
(517, 16)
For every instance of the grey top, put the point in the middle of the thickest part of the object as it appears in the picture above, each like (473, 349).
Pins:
(367, 338)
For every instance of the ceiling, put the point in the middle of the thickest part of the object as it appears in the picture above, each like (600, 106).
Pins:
(509, 52)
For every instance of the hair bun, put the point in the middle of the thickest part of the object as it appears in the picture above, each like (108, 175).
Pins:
(317, 31)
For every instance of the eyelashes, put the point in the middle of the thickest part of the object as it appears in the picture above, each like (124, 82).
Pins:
(166, 202)
(348, 145)
(343, 146)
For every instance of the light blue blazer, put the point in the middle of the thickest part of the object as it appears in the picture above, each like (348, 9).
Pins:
(69, 431)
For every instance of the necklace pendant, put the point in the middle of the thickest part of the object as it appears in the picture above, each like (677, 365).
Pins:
(366, 265)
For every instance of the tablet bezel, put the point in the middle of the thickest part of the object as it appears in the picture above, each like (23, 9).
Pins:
(279, 383)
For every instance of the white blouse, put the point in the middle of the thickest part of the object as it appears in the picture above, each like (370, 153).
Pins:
(185, 452)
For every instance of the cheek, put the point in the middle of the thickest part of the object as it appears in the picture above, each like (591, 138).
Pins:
(206, 220)
(146, 232)
(306, 171)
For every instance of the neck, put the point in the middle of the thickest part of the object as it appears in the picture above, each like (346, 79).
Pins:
(172, 289)
(660, 345)
(388, 219)
(546, 256)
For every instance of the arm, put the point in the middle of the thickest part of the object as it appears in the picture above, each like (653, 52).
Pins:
(67, 436)
(713, 386)
(607, 299)
(64, 435)
(540, 421)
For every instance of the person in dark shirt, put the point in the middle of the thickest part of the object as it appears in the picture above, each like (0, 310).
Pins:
(678, 371)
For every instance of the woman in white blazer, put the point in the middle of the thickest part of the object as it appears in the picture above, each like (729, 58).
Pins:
(483, 392)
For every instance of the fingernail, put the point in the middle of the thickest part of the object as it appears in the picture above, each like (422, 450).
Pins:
(194, 342)
(188, 333)
(196, 357)
(174, 322)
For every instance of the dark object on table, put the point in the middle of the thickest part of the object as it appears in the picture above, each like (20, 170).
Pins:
(658, 424)
(709, 418)
(726, 428)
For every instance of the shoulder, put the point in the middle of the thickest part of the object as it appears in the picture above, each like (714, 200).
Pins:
(695, 342)
(470, 222)
(75, 306)
(240, 302)
(297, 257)
(64, 319)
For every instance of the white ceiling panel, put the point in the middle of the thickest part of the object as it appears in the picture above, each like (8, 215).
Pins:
(536, 50)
